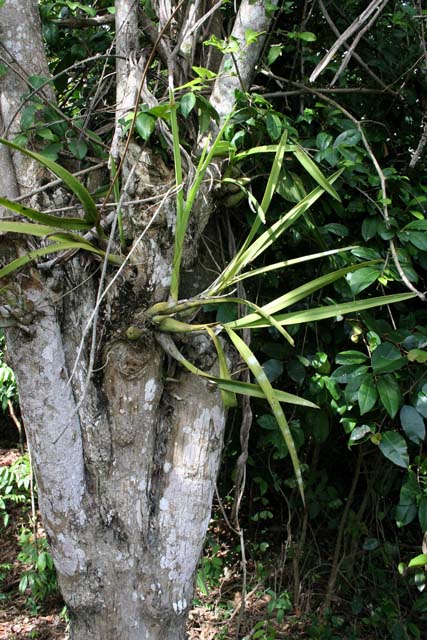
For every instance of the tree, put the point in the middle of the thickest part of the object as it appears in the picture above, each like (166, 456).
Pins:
(126, 465)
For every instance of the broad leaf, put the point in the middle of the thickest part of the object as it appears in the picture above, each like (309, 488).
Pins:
(387, 358)
(187, 104)
(348, 372)
(418, 561)
(351, 357)
(367, 394)
(273, 369)
(362, 279)
(393, 447)
(413, 424)
(406, 510)
(358, 434)
(417, 355)
(421, 401)
(390, 396)
(273, 124)
(145, 124)
(78, 148)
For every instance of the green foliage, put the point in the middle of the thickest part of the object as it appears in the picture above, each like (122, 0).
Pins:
(14, 487)
(8, 390)
(39, 574)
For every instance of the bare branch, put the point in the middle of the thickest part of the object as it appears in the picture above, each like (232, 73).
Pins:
(84, 23)
(355, 42)
(421, 145)
(356, 56)
(373, 7)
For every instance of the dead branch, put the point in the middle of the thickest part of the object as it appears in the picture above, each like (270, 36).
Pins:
(374, 7)
(356, 56)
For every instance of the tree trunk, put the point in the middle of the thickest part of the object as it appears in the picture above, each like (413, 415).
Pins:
(126, 455)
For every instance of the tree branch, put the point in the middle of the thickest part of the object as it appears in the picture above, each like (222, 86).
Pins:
(84, 23)
(356, 25)
(355, 42)
(251, 15)
(356, 56)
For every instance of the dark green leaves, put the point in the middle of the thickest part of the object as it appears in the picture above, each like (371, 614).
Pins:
(78, 148)
(367, 394)
(413, 424)
(389, 393)
(393, 447)
(387, 358)
(421, 401)
(273, 124)
(346, 373)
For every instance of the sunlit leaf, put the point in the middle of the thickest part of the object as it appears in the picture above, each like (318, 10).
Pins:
(312, 168)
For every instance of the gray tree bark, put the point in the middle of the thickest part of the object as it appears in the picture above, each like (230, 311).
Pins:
(125, 463)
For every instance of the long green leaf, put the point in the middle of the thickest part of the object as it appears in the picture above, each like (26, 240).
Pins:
(312, 168)
(272, 400)
(89, 206)
(273, 178)
(37, 230)
(253, 390)
(71, 224)
(184, 208)
(288, 263)
(267, 148)
(307, 289)
(270, 235)
(228, 396)
(54, 248)
(116, 191)
(52, 233)
(329, 311)
(235, 386)
(32, 255)
(182, 215)
(252, 250)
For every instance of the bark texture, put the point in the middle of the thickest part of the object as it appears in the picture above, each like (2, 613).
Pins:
(126, 456)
